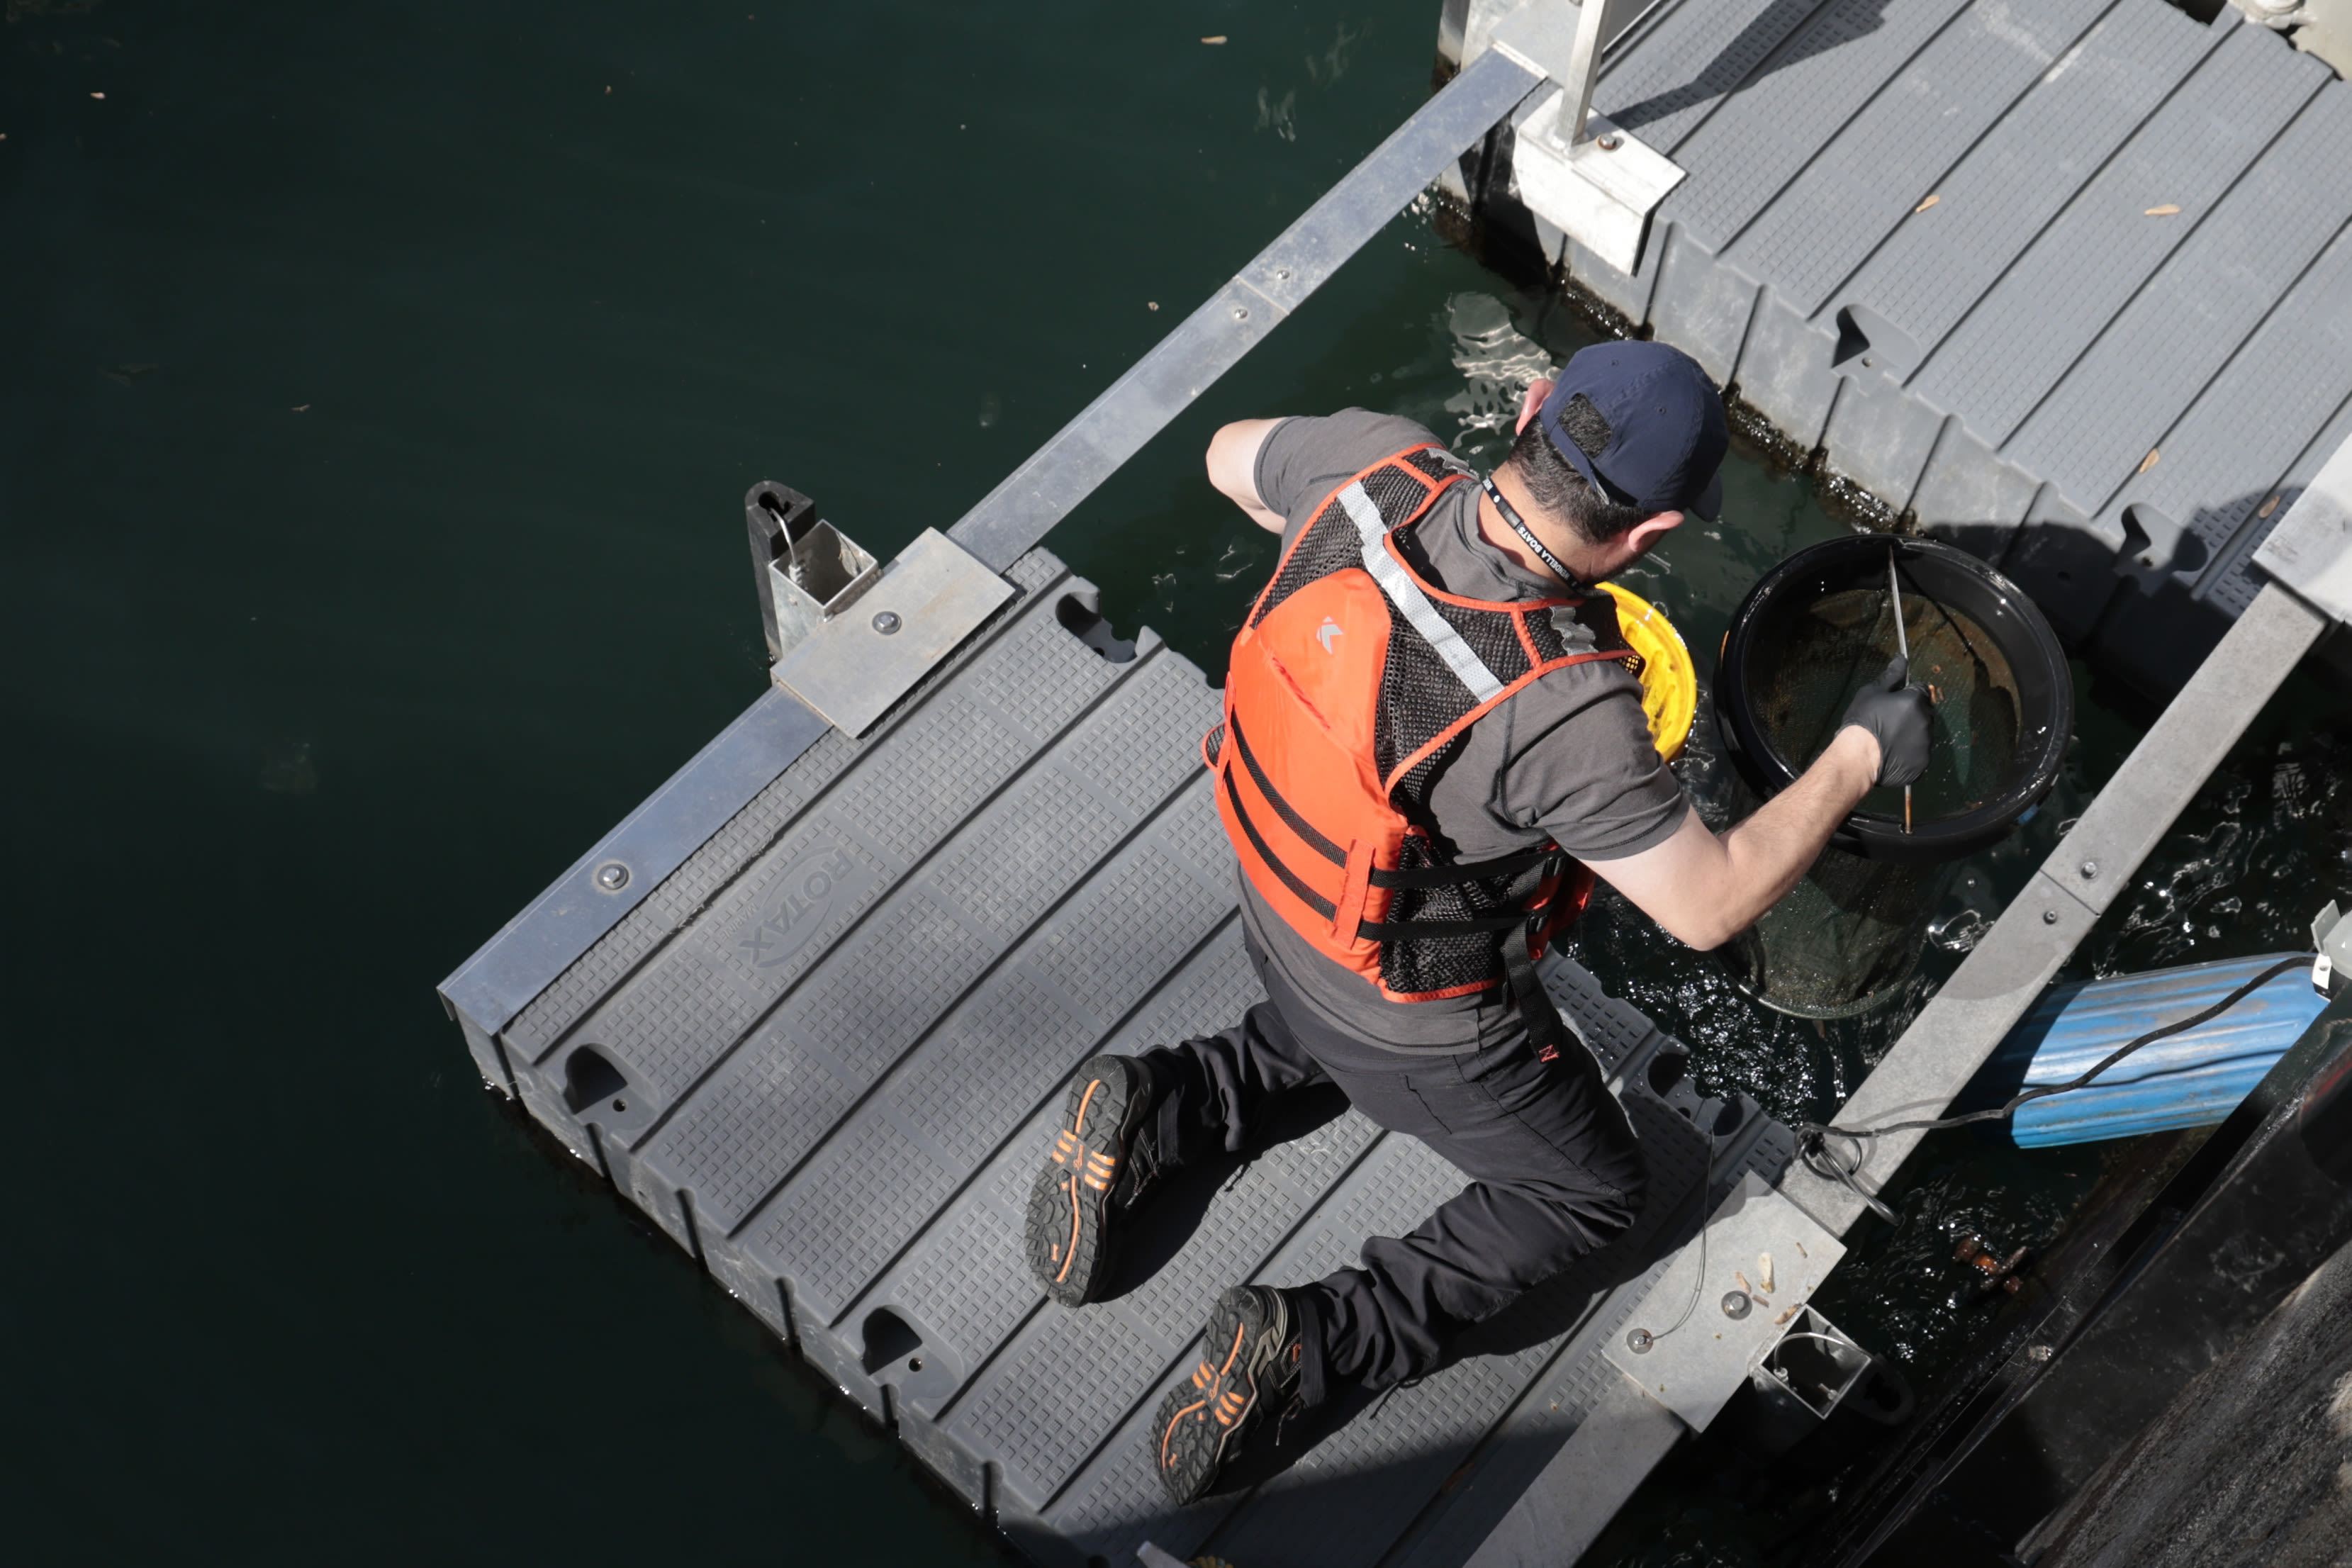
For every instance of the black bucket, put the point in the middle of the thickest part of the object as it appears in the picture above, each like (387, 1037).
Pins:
(1807, 637)
(1817, 628)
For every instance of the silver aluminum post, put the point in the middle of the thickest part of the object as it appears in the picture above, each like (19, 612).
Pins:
(1583, 68)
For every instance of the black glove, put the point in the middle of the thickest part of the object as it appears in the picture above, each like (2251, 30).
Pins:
(1897, 715)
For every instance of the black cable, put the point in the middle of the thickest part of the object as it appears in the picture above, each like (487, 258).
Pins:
(1699, 1285)
(1812, 1137)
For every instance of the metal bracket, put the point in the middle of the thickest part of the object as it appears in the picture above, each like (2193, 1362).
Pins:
(912, 615)
(1576, 169)
(1599, 191)
(1693, 1368)
(2331, 933)
(2310, 551)
(808, 571)
(1565, 42)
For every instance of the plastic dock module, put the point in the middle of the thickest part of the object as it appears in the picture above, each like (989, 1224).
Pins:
(823, 1055)
(2068, 283)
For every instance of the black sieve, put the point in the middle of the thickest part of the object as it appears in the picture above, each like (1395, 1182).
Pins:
(1820, 625)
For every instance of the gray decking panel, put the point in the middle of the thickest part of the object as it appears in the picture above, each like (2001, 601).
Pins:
(2034, 334)
(1014, 1043)
(937, 933)
(2031, 162)
(843, 1063)
(2229, 271)
(1856, 196)
(2029, 330)
(539, 1026)
(1826, 73)
(1926, 280)
(1686, 65)
(1859, 186)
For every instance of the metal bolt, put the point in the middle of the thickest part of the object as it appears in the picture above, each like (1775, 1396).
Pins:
(2050, 917)
(887, 622)
(1611, 142)
(612, 877)
(1736, 1304)
(1639, 1340)
(2037, 1353)
(2090, 868)
(1282, 274)
(1241, 312)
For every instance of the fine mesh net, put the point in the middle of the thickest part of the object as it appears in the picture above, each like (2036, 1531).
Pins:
(1842, 940)
(1842, 640)
(1846, 936)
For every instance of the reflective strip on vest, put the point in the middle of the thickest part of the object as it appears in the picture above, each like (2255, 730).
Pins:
(1411, 602)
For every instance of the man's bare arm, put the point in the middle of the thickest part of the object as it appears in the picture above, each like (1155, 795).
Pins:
(1232, 468)
(1706, 887)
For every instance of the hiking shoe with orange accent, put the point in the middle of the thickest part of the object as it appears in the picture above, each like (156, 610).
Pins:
(1102, 1160)
(1249, 1358)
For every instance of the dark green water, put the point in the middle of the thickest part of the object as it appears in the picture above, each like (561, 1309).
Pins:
(379, 393)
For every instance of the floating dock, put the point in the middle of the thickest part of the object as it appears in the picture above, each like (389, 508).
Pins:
(2067, 283)
(810, 1005)
(823, 1053)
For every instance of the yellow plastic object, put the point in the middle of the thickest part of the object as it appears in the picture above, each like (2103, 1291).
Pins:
(1669, 679)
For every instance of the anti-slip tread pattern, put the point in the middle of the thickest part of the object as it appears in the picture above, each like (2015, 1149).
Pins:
(859, 1041)
(2082, 272)
(685, 892)
(1997, 262)
(1865, 180)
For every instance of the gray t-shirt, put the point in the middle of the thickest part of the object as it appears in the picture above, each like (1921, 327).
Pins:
(1569, 758)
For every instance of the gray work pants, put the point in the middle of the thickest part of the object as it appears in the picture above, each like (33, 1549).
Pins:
(1553, 1166)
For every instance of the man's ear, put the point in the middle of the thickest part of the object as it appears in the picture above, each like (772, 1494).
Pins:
(1647, 534)
(1531, 403)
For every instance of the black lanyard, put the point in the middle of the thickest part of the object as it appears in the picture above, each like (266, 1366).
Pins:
(1527, 535)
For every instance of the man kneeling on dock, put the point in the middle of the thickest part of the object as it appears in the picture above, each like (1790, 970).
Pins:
(1433, 738)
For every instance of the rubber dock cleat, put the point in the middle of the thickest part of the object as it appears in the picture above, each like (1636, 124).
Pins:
(1249, 1353)
(1100, 1164)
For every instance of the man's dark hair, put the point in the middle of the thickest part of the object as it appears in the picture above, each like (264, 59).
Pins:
(1554, 484)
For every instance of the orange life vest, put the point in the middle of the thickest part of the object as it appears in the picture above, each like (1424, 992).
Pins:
(1351, 678)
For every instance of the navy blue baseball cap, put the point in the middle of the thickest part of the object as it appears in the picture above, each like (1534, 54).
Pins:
(1650, 430)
